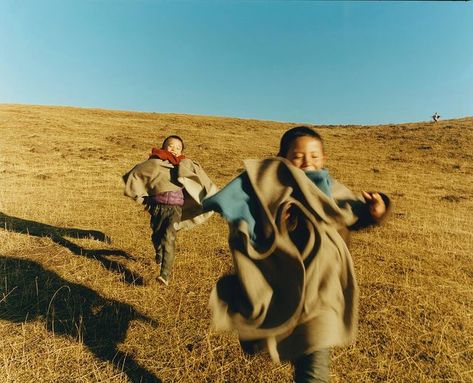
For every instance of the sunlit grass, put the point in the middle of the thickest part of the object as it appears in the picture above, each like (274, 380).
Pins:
(78, 309)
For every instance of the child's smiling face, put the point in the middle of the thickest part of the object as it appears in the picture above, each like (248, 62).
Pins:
(174, 146)
(306, 153)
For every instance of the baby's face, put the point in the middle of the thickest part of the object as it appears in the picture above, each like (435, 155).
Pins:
(174, 146)
(306, 153)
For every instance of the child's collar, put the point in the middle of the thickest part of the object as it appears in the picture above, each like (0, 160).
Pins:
(321, 179)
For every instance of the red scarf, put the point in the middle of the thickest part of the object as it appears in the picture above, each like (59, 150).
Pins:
(166, 156)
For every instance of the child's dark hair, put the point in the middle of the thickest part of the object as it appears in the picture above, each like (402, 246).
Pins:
(176, 138)
(294, 133)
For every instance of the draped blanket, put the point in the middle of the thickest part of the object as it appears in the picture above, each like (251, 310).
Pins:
(293, 289)
(157, 176)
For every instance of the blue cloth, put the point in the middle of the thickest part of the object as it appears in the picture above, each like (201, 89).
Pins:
(235, 203)
(322, 180)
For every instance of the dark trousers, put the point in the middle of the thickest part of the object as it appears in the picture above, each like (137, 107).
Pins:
(313, 367)
(164, 219)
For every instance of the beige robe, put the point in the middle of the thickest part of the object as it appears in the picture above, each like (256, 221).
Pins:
(295, 291)
(156, 176)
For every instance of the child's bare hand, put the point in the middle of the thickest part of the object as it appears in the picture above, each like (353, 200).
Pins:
(287, 215)
(376, 204)
(289, 218)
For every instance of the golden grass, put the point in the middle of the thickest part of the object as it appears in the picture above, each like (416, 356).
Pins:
(74, 308)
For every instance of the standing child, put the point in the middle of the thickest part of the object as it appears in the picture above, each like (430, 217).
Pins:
(172, 188)
(293, 292)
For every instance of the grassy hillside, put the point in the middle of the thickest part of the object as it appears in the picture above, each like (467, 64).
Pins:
(73, 304)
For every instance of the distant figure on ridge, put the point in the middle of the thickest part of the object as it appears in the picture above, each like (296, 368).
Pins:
(293, 292)
(436, 117)
(171, 187)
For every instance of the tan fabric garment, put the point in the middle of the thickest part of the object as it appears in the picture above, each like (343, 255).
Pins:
(156, 176)
(296, 291)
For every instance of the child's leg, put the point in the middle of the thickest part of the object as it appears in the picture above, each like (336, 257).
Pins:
(168, 240)
(158, 223)
(313, 367)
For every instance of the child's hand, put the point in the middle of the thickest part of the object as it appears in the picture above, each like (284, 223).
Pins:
(147, 203)
(376, 205)
(287, 215)
(289, 219)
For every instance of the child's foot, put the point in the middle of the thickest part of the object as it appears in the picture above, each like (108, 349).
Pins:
(163, 280)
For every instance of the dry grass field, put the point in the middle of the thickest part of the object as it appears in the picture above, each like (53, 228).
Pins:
(79, 301)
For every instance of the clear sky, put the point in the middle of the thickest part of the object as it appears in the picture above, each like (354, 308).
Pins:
(317, 62)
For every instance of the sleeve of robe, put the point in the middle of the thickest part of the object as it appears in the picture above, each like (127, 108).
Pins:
(156, 176)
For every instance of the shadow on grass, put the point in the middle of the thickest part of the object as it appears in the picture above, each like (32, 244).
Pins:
(29, 292)
(58, 234)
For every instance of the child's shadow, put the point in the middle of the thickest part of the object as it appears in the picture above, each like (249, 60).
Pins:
(28, 292)
(57, 235)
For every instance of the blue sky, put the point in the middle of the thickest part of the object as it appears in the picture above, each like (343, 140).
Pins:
(298, 61)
